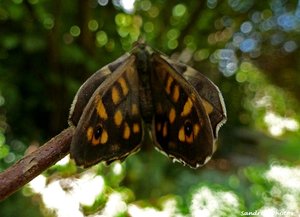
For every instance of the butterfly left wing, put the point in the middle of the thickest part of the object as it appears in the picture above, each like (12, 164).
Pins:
(87, 89)
(110, 127)
(181, 127)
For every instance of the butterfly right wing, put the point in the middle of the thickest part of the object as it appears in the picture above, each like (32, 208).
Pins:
(181, 128)
(211, 96)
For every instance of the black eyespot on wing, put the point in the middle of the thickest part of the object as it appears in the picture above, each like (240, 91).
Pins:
(98, 131)
(188, 128)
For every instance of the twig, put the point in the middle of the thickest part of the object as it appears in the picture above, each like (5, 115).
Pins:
(35, 163)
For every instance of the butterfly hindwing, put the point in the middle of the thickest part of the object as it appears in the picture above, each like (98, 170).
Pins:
(110, 127)
(181, 127)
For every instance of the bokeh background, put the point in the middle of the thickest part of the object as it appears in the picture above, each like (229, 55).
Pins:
(250, 49)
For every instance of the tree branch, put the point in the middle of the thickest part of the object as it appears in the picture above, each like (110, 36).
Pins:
(35, 163)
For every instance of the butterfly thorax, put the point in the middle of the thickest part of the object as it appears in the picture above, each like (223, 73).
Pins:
(144, 72)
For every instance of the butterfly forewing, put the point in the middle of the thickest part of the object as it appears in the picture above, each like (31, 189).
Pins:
(110, 127)
(181, 127)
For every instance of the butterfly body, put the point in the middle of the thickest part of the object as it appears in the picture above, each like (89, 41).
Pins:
(112, 109)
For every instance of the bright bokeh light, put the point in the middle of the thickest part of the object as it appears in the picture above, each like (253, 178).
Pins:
(75, 31)
(64, 161)
(103, 2)
(278, 125)
(60, 201)
(114, 206)
(117, 169)
(88, 187)
(66, 196)
(228, 62)
(38, 184)
(207, 203)
(286, 187)
(179, 10)
(127, 5)
(287, 177)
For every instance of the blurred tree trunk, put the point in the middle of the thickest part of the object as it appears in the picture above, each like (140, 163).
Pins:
(56, 82)
(86, 36)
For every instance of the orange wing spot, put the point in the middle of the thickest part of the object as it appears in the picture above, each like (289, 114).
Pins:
(95, 141)
(134, 109)
(168, 85)
(101, 111)
(118, 118)
(187, 108)
(89, 133)
(190, 139)
(115, 95)
(165, 130)
(126, 132)
(172, 115)
(104, 137)
(196, 130)
(123, 85)
(176, 93)
(136, 128)
(181, 134)
(207, 106)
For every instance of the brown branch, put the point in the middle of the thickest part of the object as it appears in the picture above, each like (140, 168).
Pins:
(35, 163)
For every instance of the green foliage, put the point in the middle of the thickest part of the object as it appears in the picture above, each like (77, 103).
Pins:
(208, 192)
(248, 48)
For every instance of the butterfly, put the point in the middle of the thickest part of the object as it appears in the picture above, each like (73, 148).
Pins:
(144, 91)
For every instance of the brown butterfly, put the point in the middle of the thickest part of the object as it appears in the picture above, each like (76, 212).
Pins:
(145, 90)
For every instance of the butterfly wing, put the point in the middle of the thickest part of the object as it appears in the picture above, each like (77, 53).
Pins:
(110, 127)
(211, 96)
(86, 90)
(181, 127)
